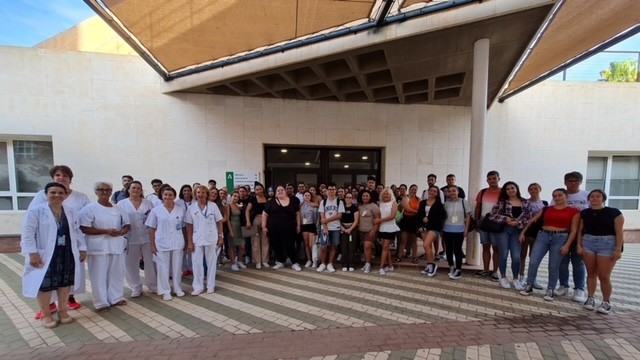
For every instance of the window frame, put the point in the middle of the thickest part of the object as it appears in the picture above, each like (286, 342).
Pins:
(13, 192)
(607, 177)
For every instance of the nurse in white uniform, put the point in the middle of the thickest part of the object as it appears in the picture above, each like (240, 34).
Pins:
(105, 226)
(62, 174)
(138, 243)
(54, 249)
(204, 238)
(166, 224)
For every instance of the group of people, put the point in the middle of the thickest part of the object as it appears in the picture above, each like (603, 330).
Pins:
(171, 234)
(575, 228)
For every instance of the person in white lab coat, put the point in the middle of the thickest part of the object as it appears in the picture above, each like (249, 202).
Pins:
(166, 223)
(62, 174)
(204, 239)
(138, 243)
(105, 226)
(54, 249)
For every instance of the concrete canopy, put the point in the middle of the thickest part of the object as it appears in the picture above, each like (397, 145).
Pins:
(336, 50)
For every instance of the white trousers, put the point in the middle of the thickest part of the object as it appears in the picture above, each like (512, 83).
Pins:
(132, 261)
(106, 273)
(208, 253)
(186, 261)
(169, 262)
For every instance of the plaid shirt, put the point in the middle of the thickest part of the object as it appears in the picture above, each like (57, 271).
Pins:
(503, 210)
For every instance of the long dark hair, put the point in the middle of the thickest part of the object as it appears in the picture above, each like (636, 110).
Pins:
(503, 192)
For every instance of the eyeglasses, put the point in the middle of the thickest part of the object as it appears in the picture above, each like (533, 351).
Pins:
(104, 190)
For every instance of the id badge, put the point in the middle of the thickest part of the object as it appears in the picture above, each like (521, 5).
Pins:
(62, 240)
(178, 227)
(454, 219)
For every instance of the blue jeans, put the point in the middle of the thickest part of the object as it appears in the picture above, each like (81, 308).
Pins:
(544, 243)
(578, 266)
(509, 244)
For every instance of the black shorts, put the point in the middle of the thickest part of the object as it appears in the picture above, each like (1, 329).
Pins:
(387, 235)
(309, 228)
(409, 224)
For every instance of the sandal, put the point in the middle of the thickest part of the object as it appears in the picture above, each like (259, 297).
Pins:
(67, 320)
(48, 324)
(121, 303)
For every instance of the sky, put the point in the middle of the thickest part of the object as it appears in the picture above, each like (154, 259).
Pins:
(29, 22)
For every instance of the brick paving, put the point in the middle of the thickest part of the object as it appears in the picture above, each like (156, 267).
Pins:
(268, 314)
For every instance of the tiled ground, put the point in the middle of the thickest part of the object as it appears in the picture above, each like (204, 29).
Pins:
(267, 314)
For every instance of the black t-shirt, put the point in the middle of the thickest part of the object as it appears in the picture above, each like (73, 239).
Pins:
(256, 207)
(348, 217)
(281, 217)
(243, 218)
(599, 222)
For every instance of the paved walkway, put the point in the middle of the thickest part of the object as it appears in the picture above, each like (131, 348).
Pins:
(267, 314)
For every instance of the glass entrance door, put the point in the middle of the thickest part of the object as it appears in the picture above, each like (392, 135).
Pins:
(344, 166)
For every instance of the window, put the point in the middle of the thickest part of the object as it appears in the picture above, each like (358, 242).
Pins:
(24, 170)
(618, 176)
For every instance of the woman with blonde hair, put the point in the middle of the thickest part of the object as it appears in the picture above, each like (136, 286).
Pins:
(388, 228)
(204, 239)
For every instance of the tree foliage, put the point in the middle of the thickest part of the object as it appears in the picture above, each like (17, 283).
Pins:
(621, 71)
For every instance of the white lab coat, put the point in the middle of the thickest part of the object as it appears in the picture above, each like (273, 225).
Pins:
(39, 234)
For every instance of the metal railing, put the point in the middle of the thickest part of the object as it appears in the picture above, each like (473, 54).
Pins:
(589, 70)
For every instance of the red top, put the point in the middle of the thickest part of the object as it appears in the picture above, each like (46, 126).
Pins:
(559, 218)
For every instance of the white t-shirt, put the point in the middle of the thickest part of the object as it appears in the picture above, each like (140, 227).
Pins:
(204, 221)
(139, 233)
(168, 227)
(102, 217)
(75, 200)
(579, 200)
(332, 208)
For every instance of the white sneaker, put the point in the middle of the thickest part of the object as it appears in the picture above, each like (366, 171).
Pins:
(382, 272)
(278, 265)
(352, 269)
(345, 269)
(136, 293)
(315, 264)
(265, 265)
(562, 291)
(211, 291)
(296, 267)
(180, 293)
(549, 295)
(241, 265)
(505, 283)
(330, 268)
(196, 292)
(321, 268)
(234, 267)
(517, 285)
(389, 269)
(579, 296)
(367, 268)
(258, 266)
(167, 297)
(308, 264)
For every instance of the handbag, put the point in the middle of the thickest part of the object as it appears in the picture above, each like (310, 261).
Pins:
(491, 226)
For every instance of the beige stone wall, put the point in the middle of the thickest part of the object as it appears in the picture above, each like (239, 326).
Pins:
(91, 35)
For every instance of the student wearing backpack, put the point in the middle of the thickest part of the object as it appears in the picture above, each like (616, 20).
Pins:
(331, 210)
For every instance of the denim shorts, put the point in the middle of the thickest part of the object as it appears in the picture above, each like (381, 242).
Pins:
(487, 238)
(333, 238)
(599, 245)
